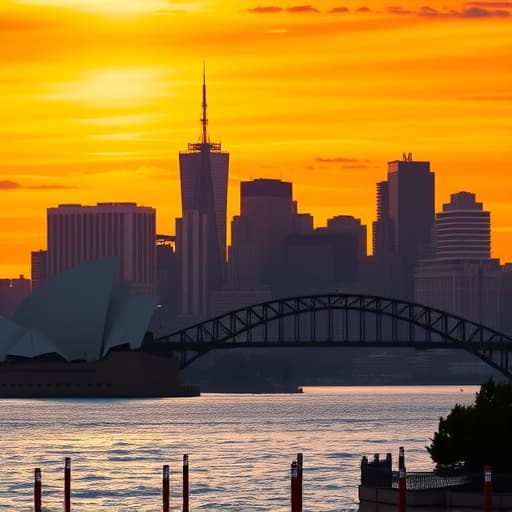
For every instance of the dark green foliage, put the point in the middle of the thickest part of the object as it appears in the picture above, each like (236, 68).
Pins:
(479, 434)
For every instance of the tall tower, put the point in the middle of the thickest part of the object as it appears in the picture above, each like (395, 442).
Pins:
(463, 229)
(201, 232)
(411, 207)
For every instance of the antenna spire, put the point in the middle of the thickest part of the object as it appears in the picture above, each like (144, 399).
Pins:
(204, 119)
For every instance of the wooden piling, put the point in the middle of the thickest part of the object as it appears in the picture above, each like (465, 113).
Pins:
(67, 485)
(186, 505)
(165, 489)
(300, 463)
(37, 490)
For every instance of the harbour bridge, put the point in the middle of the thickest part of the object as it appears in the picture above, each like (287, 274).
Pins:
(340, 320)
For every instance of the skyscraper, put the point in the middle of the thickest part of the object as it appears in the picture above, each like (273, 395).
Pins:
(77, 233)
(461, 277)
(201, 232)
(258, 234)
(405, 220)
(411, 207)
(463, 229)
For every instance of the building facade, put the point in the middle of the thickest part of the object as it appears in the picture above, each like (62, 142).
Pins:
(76, 234)
(348, 225)
(39, 268)
(201, 231)
(461, 277)
(463, 229)
(268, 215)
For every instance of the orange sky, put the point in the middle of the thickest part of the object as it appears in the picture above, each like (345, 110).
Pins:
(98, 96)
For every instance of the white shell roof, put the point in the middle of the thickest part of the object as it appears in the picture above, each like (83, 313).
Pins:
(79, 314)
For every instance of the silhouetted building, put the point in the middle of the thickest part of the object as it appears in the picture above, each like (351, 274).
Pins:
(268, 214)
(462, 278)
(318, 263)
(506, 298)
(411, 208)
(258, 233)
(468, 288)
(348, 225)
(463, 229)
(77, 234)
(383, 233)
(167, 275)
(12, 293)
(201, 232)
(39, 268)
(405, 218)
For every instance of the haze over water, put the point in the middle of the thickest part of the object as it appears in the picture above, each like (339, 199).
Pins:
(240, 446)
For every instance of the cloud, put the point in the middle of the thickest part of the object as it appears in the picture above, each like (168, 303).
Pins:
(13, 185)
(363, 9)
(474, 11)
(9, 185)
(302, 9)
(337, 160)
(492, 5)
(339, 10)
(396, 9)
(265, 9)
(428, 11)
(479, 12)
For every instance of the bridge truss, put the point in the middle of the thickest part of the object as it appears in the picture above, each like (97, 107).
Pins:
(338, 319)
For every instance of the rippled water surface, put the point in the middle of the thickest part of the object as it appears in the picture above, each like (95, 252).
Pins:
(240, 446)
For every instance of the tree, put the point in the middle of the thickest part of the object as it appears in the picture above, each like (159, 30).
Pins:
(478, 434)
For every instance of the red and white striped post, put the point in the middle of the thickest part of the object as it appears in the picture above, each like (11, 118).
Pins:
(294, 473)
(67, 485)
(185, 484)
(300, 464)
(37, 490)
(165, 489)
(402, 482)
(488, 489)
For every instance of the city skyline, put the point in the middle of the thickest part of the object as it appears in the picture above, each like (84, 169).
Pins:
(322, 96)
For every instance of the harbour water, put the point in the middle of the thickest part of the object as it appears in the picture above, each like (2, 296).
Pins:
(240, 446)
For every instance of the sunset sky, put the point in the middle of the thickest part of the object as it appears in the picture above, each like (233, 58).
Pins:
(97, 97)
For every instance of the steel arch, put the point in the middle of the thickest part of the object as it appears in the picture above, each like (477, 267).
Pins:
(339, 319)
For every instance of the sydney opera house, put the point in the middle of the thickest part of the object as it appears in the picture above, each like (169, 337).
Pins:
(80, 335)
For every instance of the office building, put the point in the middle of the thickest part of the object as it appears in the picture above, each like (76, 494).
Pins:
(411, 207)
(12, 293)
(348, 225)
(76, 234)
(202, 251)
(461, 277)
(405, 220)
(463, 229)
(39, 268)
(268, 214)
(467, 288)
(383, 233)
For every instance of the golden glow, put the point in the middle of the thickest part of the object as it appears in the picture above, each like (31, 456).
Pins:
(97, 98)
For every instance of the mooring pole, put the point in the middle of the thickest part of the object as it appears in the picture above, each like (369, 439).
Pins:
(165, 489)
(67, 484)
(300, 464)
(185, 484)
(293, 481)
(37, 490)
(402, 482)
